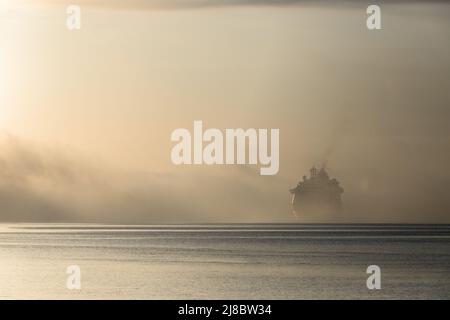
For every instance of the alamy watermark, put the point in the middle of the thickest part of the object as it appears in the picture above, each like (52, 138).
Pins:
(74, 279)
(373, 22)
(73, 21)
(374, 280)
(229, 148)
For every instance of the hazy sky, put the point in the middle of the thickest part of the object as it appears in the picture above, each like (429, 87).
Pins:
(86, 116)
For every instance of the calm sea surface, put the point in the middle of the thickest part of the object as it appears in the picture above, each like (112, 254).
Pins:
(224, 261)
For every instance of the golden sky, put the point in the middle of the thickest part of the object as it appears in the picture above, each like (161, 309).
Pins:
(86, 115)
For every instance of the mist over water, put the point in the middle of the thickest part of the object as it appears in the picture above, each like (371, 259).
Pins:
(245, 261)
(372, 106)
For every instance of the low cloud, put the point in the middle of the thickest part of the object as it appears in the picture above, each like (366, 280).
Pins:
(39, 184)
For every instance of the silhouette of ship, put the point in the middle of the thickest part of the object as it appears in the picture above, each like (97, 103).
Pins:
(317, 194)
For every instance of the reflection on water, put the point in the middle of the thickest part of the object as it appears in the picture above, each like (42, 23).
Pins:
(224, 261)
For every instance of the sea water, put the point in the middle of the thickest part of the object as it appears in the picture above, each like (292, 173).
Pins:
(245, 261)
